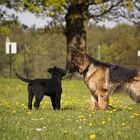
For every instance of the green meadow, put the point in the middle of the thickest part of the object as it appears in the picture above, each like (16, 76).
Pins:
(75, 120)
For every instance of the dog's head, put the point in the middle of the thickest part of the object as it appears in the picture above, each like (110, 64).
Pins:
(80, 60)
(57, 72)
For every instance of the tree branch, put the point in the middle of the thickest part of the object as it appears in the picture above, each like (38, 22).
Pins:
(106, 11)
(136, 6)
(93, 2)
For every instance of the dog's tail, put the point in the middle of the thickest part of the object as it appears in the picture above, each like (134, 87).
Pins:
(23, 79)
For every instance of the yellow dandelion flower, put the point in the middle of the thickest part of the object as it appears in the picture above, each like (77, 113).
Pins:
(17, 103)
(5, 103)
(111, 100)
(109, 119)
(84, 120)
(130, 108)
(110, 111)
(92, 136)
(132, 116)
(123, 124)
(65, 131)
(119, 133)
(90, 124)
(81, 116)
(29, 112)
(23, 104)
(120, 106)
(136, 114)
(114, 110)
(14, 111)
(125, 107)
(103, 122)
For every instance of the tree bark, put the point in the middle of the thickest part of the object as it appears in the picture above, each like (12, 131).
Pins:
(75, 29)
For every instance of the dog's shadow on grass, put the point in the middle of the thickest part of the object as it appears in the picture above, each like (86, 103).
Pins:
(63, 108)
(70, 108)
(116, 109)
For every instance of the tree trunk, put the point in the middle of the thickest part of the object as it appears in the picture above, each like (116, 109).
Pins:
(75, 29)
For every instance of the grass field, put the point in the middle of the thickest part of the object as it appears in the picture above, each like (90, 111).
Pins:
(75, 121)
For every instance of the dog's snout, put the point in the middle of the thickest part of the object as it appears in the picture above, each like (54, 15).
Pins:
(49, 70)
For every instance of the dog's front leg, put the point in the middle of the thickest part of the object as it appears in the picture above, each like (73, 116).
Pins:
(53, 101)
(102, 99)
(93, 103)
(57, 101)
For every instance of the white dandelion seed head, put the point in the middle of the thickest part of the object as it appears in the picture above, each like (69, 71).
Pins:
(39, 129)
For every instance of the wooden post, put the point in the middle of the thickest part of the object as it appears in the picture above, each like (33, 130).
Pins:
(99, 52)
(10, 55)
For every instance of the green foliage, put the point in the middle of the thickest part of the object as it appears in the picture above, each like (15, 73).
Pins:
(46, 49)
(75, 120)
(30, 6)
(5, 30)
(129, 4)
(39, 7)
(118, 45)
(53, 2)
(47, 7)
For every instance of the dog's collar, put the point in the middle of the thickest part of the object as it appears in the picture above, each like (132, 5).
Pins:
(86, 70)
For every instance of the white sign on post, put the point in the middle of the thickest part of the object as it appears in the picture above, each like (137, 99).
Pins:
(138, 53)
(11, 47)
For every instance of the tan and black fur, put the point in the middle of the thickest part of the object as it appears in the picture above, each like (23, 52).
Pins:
(103, 79)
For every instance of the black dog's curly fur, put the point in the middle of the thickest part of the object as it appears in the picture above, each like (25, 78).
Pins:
(40, 87)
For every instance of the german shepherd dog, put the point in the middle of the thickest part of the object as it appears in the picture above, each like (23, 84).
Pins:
(40, 87)
(103, 79)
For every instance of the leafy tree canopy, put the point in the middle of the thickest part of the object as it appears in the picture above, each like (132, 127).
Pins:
(97, 9)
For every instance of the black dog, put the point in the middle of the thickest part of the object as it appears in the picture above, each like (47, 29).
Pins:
(40, 87)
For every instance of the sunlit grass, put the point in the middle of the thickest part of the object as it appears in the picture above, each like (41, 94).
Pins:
(75, 120)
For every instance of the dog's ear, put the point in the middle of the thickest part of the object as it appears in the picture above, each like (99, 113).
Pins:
(50, 70)
(76, 51)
